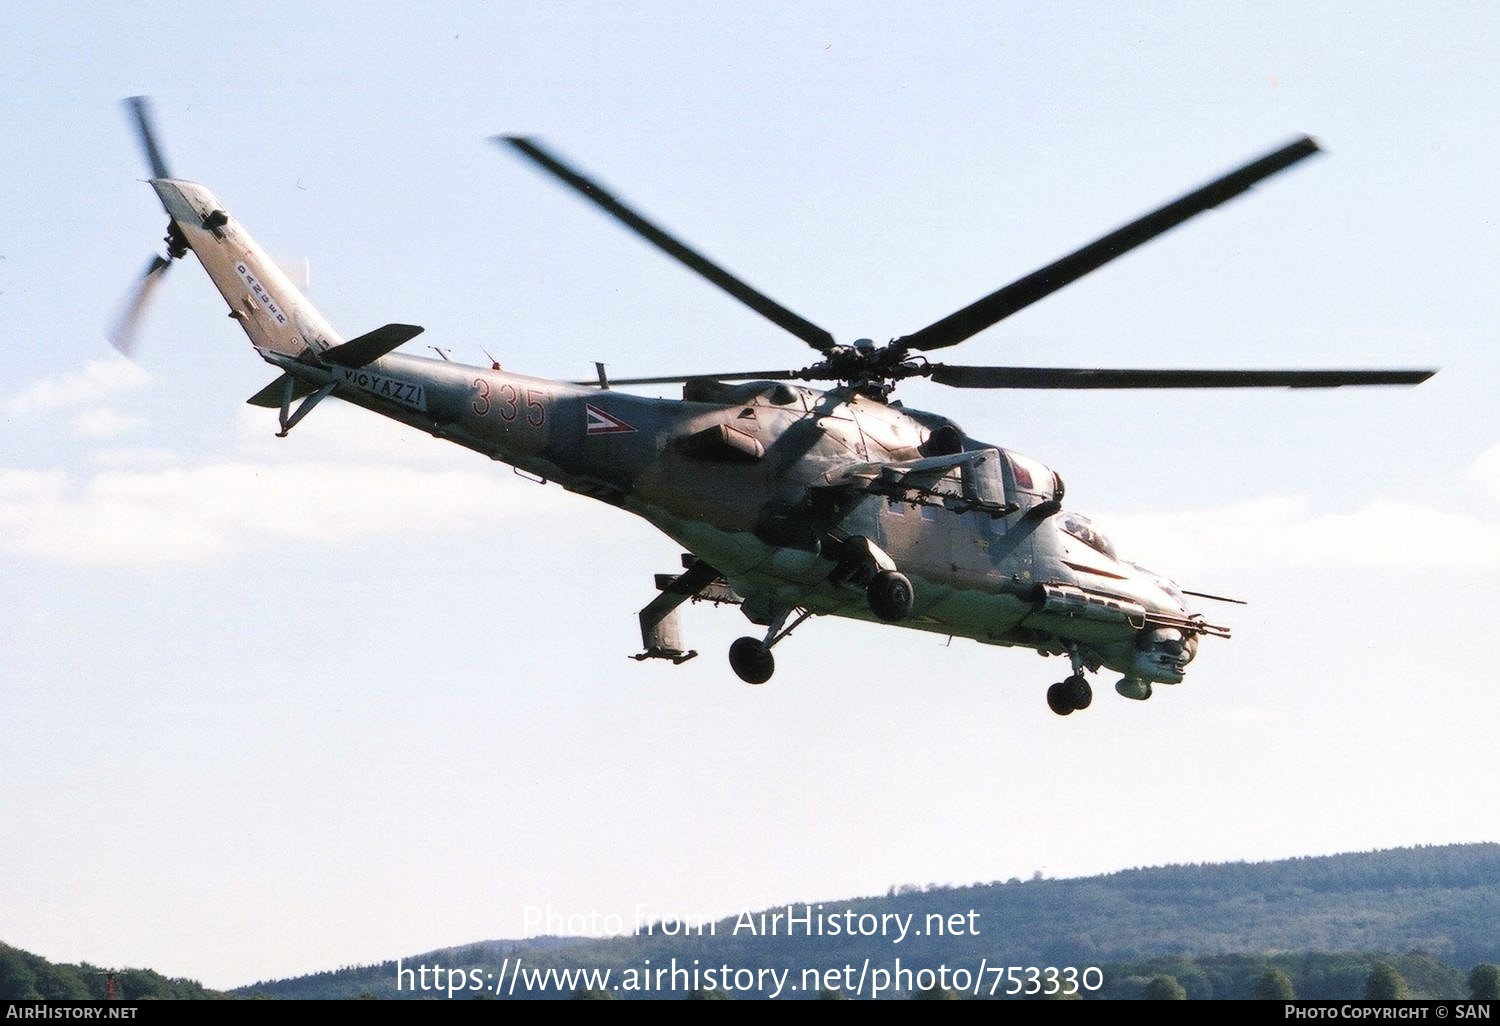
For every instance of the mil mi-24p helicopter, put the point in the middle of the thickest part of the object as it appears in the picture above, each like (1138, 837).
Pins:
(790, 501)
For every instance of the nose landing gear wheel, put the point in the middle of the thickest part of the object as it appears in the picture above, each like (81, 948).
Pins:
(751, 660)
(891, 596)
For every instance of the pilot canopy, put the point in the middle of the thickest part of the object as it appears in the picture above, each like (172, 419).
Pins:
(1031, 477)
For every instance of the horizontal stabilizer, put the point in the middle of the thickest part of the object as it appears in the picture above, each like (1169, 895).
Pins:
(272, 395)
(371, 346)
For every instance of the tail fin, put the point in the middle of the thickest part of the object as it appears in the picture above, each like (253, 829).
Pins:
(275, 315)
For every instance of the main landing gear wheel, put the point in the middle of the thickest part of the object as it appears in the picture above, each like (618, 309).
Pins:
(1079, 692)
(891, 596)
(1058, 700)
(1071, 695)
(751, 660)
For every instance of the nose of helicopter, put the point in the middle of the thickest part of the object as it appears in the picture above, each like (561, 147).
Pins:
(1163, 654)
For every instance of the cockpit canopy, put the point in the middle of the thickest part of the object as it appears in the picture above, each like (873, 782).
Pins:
(1166, 584)
(1033, 477)
(1082, 528)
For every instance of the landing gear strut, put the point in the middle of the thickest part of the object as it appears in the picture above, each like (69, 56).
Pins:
(751, 658)
(1074, 694)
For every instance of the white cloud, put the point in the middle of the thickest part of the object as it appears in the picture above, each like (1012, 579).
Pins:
(135, 456)
(1486, 471)
(30, 485)
(104, 422)
(339, 432)
(1287, 532)
(98, 380)
(344, 475)
(185, 515)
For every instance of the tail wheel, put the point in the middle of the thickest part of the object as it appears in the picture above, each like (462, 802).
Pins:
(751, 660)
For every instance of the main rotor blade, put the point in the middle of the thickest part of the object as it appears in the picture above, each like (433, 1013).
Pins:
(122, 333)
(1093, 377)
(775, 375)
(1021, 293)
(762, 304)
(140, 108)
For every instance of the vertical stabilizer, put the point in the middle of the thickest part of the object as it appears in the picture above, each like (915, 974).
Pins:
(275, 315)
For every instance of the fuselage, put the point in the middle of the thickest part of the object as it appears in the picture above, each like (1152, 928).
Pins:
(768, 483)
(755, 478)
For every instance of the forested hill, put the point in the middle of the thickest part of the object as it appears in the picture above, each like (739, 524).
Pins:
(24, 976)
(1442, 901)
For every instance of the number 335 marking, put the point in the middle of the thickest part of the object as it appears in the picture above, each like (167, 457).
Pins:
(507, 402)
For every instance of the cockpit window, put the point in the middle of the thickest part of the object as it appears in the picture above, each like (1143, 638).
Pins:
(1083, 529)
(1033, 477)
(1166, 585)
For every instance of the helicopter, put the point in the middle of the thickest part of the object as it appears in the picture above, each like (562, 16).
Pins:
(789, 501)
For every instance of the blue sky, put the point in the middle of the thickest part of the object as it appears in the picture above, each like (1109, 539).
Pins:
(273, 706)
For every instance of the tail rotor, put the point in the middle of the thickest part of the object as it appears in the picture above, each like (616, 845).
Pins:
(139, 108)
(122, 333)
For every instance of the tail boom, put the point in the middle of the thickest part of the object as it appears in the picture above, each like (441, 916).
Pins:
(274, 314)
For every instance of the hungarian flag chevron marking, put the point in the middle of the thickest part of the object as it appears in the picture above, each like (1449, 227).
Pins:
(602, 423)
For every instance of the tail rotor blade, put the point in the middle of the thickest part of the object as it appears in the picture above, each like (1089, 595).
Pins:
(122, 333)
(140, 109)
